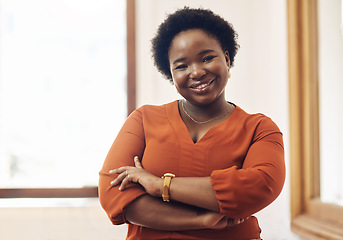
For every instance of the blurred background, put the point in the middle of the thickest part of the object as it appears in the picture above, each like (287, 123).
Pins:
(63, 98)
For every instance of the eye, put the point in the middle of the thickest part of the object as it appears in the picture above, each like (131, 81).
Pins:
(208, 58)
(181, 67)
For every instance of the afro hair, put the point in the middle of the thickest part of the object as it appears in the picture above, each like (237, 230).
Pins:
(190, 18)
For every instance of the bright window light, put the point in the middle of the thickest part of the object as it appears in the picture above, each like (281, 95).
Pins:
(62, 89)
(330, 71)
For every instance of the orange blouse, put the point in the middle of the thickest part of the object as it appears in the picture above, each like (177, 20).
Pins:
(244, 156)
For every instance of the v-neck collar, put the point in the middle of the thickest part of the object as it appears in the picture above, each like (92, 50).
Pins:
(181, 129)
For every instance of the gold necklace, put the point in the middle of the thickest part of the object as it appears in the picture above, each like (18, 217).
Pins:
(198, 122)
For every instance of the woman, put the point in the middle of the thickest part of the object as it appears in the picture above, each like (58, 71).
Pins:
(219, 165)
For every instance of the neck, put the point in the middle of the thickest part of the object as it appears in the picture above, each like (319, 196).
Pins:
(204, 112)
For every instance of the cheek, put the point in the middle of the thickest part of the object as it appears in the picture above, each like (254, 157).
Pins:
(177, 86)
(221, 70)
(220, 67)
(179, 78)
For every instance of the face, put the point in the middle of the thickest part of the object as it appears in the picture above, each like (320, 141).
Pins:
(199, 67)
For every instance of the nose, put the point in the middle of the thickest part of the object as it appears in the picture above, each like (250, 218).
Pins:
(196, 72)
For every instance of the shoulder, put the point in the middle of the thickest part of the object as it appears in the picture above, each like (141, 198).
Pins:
(153, 109)
(257, 121)
(145, 117)
(152, 112)
(259, 127)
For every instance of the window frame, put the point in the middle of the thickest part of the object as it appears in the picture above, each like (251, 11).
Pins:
(310, 218)
(86, 192)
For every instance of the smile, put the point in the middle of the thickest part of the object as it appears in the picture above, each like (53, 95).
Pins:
(203, 86)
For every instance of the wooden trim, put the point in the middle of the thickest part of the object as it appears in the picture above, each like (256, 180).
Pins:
(49, 192)
(325, 211)
(311, 218)
(303, 87)
(311, 228)
(321, 221)
(303, 95)
(294, 64)
(131, 55)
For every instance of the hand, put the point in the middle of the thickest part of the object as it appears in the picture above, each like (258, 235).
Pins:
(214, 220)
(235, 221)
(137, 174)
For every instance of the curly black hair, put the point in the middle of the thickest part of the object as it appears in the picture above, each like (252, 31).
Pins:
(191, 18)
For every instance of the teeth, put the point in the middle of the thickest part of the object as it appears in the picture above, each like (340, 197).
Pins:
(203, 85)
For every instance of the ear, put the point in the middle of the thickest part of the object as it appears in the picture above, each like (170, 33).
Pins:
(227, 59)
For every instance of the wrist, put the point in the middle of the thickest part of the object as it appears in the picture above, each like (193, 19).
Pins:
(213, 220)
(159, 187)
(167, 178)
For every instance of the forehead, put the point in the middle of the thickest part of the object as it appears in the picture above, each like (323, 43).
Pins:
(193, 39)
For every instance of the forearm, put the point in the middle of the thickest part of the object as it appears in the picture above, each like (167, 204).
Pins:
(196, 191)
(153, 213)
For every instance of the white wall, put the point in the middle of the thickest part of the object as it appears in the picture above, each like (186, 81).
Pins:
(259, 79)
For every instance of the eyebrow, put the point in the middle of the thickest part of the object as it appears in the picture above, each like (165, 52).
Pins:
(200, 53)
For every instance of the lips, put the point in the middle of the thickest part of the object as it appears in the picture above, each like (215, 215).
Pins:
(199, 87)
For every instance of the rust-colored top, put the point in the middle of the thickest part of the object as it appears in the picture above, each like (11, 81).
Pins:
(244, 156)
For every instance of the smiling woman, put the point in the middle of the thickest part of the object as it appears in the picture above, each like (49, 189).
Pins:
(219, 164)
(63, 65)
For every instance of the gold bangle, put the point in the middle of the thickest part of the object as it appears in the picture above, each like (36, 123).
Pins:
(166, 186)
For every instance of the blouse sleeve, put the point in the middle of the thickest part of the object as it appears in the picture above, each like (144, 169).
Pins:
(128, 143)
(244, 191)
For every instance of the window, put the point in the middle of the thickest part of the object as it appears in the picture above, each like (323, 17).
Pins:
(64, 90)
(312, 218)
(330, 61)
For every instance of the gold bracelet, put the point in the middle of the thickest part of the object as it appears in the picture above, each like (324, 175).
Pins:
(166, 186)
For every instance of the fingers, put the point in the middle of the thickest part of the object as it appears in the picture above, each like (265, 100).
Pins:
(122, 169)
(235, 221)
(137, 162)
(123, 177)
(125, 181)
(240, 220)
(119, 178)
